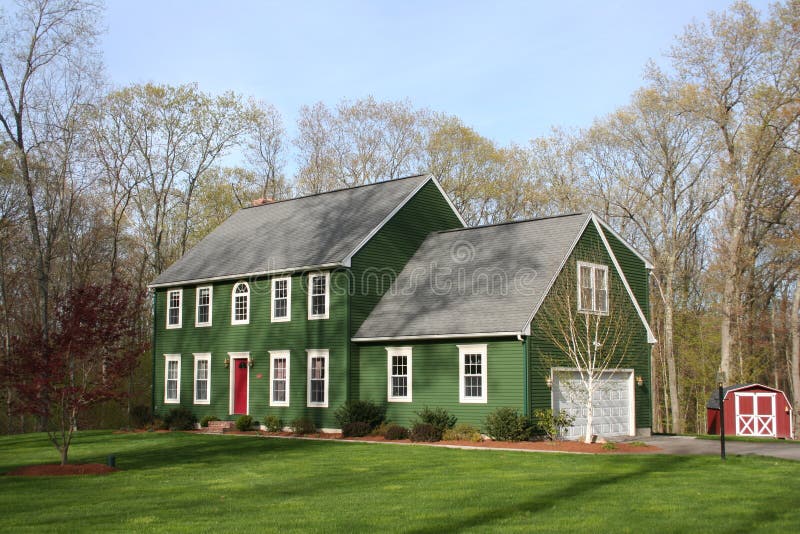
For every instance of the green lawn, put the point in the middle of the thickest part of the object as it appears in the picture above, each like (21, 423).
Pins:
(186, 482)
(711, 437)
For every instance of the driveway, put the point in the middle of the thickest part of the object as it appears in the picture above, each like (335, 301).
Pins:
(690, 445)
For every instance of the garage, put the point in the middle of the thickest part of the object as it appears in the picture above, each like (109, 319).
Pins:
(613, 402)
(752, 410)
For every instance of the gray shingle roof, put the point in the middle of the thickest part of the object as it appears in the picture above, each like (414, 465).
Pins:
(324, 230)
(476, 280)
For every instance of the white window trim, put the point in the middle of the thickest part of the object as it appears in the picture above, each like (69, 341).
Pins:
(202, 356)
(317, 353)
(180, 308)
(311, 277)
(233, 303)
(390, 353)
(172, 358)
(276, 355)
(231, 377)
(288, 317)
(472, 349)
(592, 266)
(197, 322)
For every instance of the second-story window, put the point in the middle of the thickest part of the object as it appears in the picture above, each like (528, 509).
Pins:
(240, 303)
(281, 299)
(174, 306)
(203, 316)
(318, 296)
(592, 288)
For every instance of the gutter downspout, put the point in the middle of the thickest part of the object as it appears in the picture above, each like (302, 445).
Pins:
(349, 333)
(153, 351)
(526, 382)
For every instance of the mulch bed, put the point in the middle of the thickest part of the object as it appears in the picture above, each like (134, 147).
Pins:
(547, 446)
(49, 470)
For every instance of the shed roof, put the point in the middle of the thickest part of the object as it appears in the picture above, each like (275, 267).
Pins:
(307, 232)
(713, 402)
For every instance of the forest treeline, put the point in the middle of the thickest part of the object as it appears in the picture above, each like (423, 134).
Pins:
(700, 170)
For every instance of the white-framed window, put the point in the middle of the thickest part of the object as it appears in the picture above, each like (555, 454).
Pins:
(399, 374)
(240, 303)
(279, 378)
(281, 299)
(592, 288)
(172, 378)
(204, 297)
(317, 391)
(318, 295)
(174, 308)
(472, 373)
(202, 378)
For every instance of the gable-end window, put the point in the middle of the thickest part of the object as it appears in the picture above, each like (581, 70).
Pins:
(317, 393)
(204, 297)
(279, 378)
(399, 373)
(240, 303)
(174, 308)
(202, 378)
(472, 373)
(281, 299)
(172, 378)
(592, 288)
(318, 295)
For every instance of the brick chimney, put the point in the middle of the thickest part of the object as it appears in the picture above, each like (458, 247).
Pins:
(261, 201)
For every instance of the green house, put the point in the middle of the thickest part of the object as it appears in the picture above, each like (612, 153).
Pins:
(381, 292)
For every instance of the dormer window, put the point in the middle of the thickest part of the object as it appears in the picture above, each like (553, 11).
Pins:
(318, 295)
(592, 288)
(240, 303)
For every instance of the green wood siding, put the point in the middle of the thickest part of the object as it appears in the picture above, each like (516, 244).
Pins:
(258, 338)
(378, 263)
(542, 352)
(435, 377)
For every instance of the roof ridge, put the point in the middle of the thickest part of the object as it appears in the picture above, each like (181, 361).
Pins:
(507, 223)
(336, 190)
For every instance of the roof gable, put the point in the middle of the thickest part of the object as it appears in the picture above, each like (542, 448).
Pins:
(487, 280)
(316, 231)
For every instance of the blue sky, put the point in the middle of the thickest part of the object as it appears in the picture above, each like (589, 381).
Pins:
(510, 69)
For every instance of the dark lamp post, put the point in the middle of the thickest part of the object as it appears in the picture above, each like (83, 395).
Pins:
(720, 381)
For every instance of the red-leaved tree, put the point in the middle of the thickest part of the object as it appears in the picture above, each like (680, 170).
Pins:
(93, 346)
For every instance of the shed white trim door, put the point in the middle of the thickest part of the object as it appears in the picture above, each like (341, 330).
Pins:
(613, 402)
(755, 414)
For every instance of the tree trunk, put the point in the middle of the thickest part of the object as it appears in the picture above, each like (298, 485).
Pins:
(669, 355)
(795, 364)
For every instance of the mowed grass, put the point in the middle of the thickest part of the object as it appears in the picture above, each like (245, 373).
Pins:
(188, 482)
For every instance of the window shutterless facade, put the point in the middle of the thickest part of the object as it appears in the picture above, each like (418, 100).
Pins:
(281, 299)
(240, 303)
(204, 297)
(172, 378)
(202, 378)
(472, 373)
(592, 288)
(399, 374)
(174, 308)
(279, 378)
(317, 391)
(318, 295)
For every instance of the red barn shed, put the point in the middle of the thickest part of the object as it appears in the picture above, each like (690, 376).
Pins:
(752, 410)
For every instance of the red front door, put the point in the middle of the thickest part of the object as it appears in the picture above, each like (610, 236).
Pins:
(240, 376)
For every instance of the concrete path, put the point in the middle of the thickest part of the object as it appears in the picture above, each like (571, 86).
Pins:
(690, 445)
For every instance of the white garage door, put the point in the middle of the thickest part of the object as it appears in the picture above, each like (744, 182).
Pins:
(613, 403)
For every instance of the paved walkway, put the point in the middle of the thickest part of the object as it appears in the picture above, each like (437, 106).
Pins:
(690, 445)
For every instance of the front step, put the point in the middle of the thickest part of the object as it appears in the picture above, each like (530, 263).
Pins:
(220, 427)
